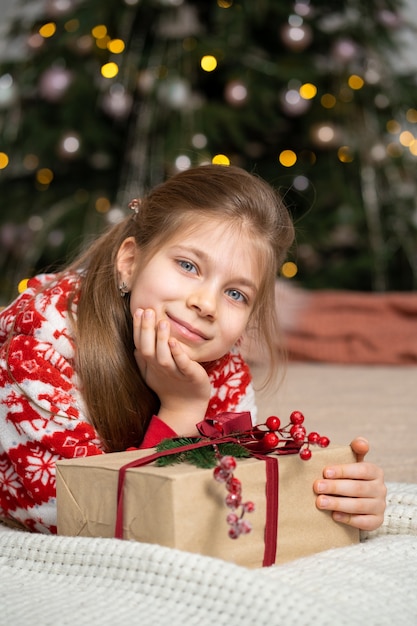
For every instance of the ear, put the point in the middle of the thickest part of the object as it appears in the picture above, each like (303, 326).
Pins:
(126, 260)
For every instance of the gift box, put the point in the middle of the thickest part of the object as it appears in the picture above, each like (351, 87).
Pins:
(181, 506)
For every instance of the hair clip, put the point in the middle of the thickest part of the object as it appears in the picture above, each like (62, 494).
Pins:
(134, 205)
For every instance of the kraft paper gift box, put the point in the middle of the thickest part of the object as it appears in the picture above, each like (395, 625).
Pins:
(183, 507)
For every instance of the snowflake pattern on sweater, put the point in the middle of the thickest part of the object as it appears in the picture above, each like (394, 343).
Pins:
(42, 414)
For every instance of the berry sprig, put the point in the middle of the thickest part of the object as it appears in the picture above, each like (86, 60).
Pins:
(292, 433)
(223, 472)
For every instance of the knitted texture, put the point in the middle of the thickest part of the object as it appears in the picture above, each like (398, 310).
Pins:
(59, 581)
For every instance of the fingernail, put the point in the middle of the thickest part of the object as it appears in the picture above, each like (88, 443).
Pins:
(148, 314)
(329, 473)
(139, 313)
(321, 486)
(323, 501)
(163, 325)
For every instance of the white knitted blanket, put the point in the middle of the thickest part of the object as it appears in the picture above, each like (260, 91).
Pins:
(60, 581)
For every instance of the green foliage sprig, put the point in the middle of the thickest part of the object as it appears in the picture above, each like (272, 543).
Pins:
(203, 457)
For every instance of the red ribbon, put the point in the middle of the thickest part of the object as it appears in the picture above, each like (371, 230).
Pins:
(271, 468)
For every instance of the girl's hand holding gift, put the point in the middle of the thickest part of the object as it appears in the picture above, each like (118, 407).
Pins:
(355, 493)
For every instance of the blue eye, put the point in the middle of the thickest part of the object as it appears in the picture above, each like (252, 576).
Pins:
(236, 295)
(187, 266)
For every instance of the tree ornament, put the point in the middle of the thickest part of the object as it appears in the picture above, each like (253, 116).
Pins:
(175, 92)
(296, 38)
(54, 83)
(8, 91)
(56, 8)
(345, 50)
(293, 104)
(117, 102)
(236, 93)
(69, 145)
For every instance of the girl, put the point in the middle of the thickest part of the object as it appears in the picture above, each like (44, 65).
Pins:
(136, 341)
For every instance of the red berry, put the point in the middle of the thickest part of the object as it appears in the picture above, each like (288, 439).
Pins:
(313, 437)
(232, 518)
(244, 526)
(228, 463)
(305, 454)
(270, 441)
(273, 422)
(233, 485)
(296, 417)
(233, 500)
(298, 433)
(324, 442)
(220, 474)
(234, 532)
(248, 507)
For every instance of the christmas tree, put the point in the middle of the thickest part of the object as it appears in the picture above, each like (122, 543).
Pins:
(99, 101)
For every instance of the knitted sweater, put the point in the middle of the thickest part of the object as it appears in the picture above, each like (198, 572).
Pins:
(42, 414)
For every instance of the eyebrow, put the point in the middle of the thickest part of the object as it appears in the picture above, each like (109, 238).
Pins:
(205, 257)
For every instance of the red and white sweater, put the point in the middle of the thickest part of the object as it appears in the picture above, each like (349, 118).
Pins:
(42, 413)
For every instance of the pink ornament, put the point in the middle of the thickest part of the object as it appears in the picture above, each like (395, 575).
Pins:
(54, 82)
(236, 93)
(296, 38)
(345, 50)
(117, 102)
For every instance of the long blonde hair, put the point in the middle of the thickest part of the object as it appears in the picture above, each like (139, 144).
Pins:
(118, 401)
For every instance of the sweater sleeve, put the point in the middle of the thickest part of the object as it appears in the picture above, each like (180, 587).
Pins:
(42, 415)
(157, 430)
(231, 387)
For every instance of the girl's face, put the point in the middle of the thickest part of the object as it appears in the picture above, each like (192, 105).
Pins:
(204, 282)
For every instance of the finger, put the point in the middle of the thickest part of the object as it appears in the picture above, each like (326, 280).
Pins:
(182, 360)
(147, 339)
(163, 350)
(348, 506)
(137, 324)
(347, 488)
(353, 471)
(360, 447)
(361, 522)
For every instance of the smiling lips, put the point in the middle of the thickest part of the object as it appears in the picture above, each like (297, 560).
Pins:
(186, 330)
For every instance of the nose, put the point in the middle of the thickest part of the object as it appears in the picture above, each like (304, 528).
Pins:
(204, 301)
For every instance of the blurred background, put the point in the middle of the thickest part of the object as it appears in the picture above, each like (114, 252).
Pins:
(100, 100)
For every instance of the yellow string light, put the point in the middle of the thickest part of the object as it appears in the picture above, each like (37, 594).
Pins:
(116, 46)
(109, 70)
(328, 101)
(220, 159)
(4, 160)
(393, 127)
(99, 31)
(308, 91)
(406, 138)
(411, 116)
(208, 63)
(287, 158)
(413, 148)
(102, 205)
(72, 25)
(345, 154)
(47, 30)
(23, 285)
(355, 82)
(44, 176)
(289, 269)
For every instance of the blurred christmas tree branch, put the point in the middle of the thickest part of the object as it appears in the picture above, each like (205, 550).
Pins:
(99, 101)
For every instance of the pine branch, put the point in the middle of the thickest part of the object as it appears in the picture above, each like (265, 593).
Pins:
(204, 457)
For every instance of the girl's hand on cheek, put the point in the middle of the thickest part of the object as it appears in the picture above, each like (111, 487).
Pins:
(354, 492)
(181, 384)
